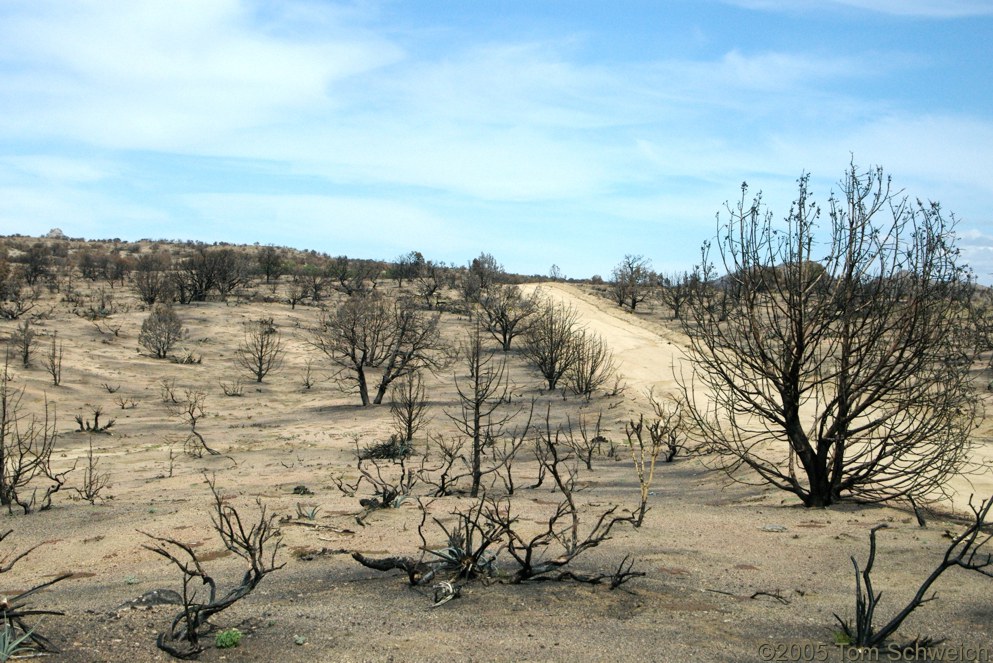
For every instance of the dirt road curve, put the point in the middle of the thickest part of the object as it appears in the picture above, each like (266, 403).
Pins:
(644, 355)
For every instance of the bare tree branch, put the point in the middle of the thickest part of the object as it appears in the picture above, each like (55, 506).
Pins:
(257, 544)
(836, 370)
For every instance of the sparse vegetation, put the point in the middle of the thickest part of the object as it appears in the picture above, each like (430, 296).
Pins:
(270, 261)
(206, 271)
(632, 281)
(17, 637)
(16, 297)
(408, 406)
(10, 642)
(480, 397)
(151, 280)
(26, 446)
(53, 360)
(488, 526)
(94, 425)
(593, 365)
(192, 409)
(228, 639)
(395, 448)
(584, 442)
(550, 342)
(644, 454)
(232, 389)
(22, 341)
(670, 428)
(126, 402)
(167, 391)
(94, 480)
(508, 312)
(554, 495)
(307, 512)
(392, 483)
(308, 373)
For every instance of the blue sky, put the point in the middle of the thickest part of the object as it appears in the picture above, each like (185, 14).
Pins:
(541, 131)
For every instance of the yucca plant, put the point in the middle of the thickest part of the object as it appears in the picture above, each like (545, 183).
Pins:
(10, 642)
(469, 553)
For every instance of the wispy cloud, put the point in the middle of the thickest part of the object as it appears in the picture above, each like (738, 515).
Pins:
(977, 250)
(347, 220)
(35, 210)
(144, 75)
(48, 168)
(517, 121)
(223, 116)
(917, 8)
(925, 8)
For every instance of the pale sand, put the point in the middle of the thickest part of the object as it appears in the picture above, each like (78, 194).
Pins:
(704, 544)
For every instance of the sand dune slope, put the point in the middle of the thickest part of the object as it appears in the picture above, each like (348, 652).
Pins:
(649, 356)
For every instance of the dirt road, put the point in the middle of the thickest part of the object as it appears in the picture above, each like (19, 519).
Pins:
(646, 355)
(649, 356)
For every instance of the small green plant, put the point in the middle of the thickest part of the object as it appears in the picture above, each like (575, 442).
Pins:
(390, 491)
(10, 642)
(307, 512)
(461, 555)
(228, 638)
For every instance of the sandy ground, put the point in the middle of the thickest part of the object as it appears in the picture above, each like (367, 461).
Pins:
(733, 572)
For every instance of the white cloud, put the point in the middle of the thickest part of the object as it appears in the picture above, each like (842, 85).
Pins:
(385, 228)
(494, 121)
(523, 124)
(933, 147)
(916, 8)
(53, 168)
(777, 72)
(79, 213)
(977, 252)
(150, 75)
(515, 121)
(385, 130)
(925, 8)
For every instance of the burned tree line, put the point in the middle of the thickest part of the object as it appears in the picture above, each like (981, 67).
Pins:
(190, 273)
(882, 306)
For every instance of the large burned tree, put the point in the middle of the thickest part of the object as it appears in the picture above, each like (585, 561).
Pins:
(379, 333)
(834, 362)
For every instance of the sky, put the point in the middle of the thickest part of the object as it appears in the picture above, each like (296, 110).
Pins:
(565, 132)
